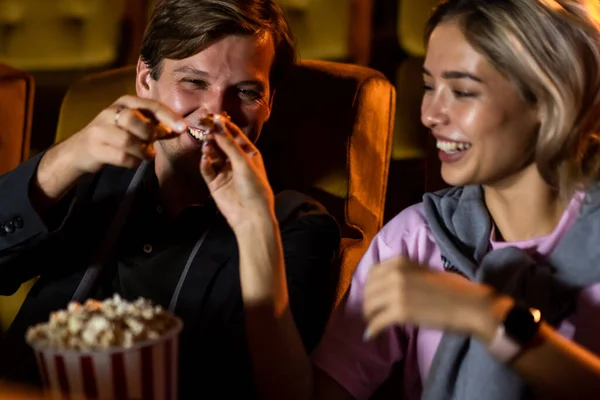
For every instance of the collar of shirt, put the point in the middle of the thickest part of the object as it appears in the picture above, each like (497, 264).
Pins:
(148, 196)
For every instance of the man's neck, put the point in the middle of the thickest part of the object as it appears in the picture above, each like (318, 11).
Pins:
(180, 191)
(524, 206)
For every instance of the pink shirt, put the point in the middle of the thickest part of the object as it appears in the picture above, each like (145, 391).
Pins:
(361, 366)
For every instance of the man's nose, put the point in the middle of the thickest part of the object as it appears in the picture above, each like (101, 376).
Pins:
(215, 102)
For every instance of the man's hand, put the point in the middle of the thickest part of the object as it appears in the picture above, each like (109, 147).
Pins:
(121, 135)
(234, 172)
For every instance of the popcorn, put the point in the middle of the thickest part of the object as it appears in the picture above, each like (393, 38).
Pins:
(101, 325)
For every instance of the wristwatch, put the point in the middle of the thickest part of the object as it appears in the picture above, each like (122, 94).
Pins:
(518, 330)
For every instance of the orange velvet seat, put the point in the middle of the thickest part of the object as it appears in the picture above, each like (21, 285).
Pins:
(16, 106)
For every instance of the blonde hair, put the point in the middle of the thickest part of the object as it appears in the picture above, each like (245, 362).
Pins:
(550, 50)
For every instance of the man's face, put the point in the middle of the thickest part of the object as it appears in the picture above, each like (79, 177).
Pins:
(231, 75)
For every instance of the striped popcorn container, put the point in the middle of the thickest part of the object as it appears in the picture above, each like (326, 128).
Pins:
(146, 371)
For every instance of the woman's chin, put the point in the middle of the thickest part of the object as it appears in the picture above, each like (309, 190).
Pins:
(453, 177)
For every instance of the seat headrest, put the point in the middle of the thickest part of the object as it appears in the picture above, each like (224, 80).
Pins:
(329, 134)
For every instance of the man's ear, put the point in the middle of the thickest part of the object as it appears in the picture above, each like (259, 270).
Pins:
(144, 83)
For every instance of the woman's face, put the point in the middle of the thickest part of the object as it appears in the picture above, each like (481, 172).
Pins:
(485, 130)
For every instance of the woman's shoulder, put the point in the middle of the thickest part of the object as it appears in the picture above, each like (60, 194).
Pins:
(413, 219)
(410, 222)
(409, 232)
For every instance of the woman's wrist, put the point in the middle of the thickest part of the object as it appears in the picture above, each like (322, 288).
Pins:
(491, 315)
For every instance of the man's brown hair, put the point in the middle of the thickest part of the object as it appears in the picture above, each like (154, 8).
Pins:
(181, 28)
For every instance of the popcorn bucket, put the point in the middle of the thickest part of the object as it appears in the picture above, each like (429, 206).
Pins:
(146, 370)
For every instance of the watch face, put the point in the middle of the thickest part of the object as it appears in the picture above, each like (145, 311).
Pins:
(522, 323)
(537, 314)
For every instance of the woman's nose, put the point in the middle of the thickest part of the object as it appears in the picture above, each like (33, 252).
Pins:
(433, 111)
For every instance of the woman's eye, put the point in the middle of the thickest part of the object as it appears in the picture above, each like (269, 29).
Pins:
(463, 93)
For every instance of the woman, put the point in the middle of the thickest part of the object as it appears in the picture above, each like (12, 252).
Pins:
(452, 288)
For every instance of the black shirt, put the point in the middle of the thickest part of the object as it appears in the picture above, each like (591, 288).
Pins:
(153, 248)
(214, 360)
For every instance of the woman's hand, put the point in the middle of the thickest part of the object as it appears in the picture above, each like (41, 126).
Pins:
(400, 291)
(233, 169)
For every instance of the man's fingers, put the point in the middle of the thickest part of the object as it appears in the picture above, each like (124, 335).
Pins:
(133, 122)
(125, 141)
(225, 124)
(208, 169)
(210, 149)
(231, 149)
(162, 113)
(117, 157)
(160, 130)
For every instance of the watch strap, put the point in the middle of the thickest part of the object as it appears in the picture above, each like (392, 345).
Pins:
(502, 347)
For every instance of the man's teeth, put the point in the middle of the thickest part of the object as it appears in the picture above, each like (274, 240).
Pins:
(452, 147)
(197, 133)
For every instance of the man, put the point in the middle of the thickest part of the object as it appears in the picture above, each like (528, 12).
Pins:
(126, 196)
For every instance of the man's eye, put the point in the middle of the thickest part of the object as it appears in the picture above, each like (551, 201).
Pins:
(196, 82)
(247, 94)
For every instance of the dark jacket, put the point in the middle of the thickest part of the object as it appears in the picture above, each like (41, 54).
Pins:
(214, 360)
